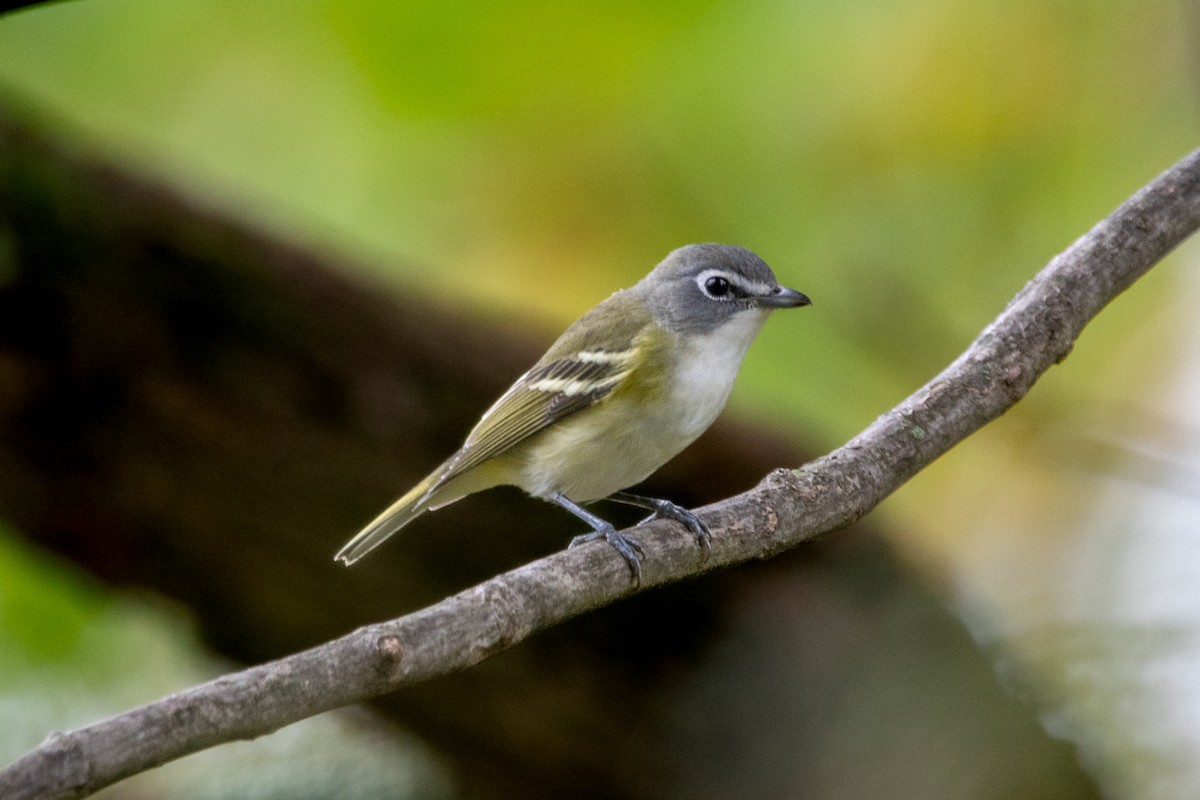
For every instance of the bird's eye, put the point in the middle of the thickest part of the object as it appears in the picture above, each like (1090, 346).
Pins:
(717, 286)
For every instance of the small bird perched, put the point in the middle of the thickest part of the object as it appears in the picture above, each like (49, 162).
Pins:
(625, 388)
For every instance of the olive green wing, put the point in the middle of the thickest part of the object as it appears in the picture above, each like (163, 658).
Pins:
(592, 358)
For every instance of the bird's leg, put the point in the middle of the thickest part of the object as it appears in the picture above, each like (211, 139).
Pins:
(627, 546)
(665, 509)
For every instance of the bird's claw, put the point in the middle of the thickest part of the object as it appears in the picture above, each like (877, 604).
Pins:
(629, 548)
(665, 509)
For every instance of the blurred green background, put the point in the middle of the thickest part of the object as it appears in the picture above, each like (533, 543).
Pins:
(907, 165)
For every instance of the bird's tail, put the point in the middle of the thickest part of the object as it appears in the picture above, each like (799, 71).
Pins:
(443, 486)
(394, 517)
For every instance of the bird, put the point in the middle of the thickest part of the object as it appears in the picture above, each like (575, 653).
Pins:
(625, 388)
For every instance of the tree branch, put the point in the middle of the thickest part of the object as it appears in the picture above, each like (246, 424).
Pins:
(1036, 330)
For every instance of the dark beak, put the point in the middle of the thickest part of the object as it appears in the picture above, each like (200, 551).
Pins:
(784, 298)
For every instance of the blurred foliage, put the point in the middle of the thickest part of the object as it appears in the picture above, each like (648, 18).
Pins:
(907, 165)
(72, 652)
(42, 618)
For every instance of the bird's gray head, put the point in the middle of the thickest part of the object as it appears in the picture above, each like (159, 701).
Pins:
(699, 287)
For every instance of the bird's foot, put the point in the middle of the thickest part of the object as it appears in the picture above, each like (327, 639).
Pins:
(665, 509)
(629, 547)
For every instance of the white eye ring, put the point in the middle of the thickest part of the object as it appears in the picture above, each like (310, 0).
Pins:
(717, 284)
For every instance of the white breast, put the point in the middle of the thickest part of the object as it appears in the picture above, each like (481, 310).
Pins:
(707, 369)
